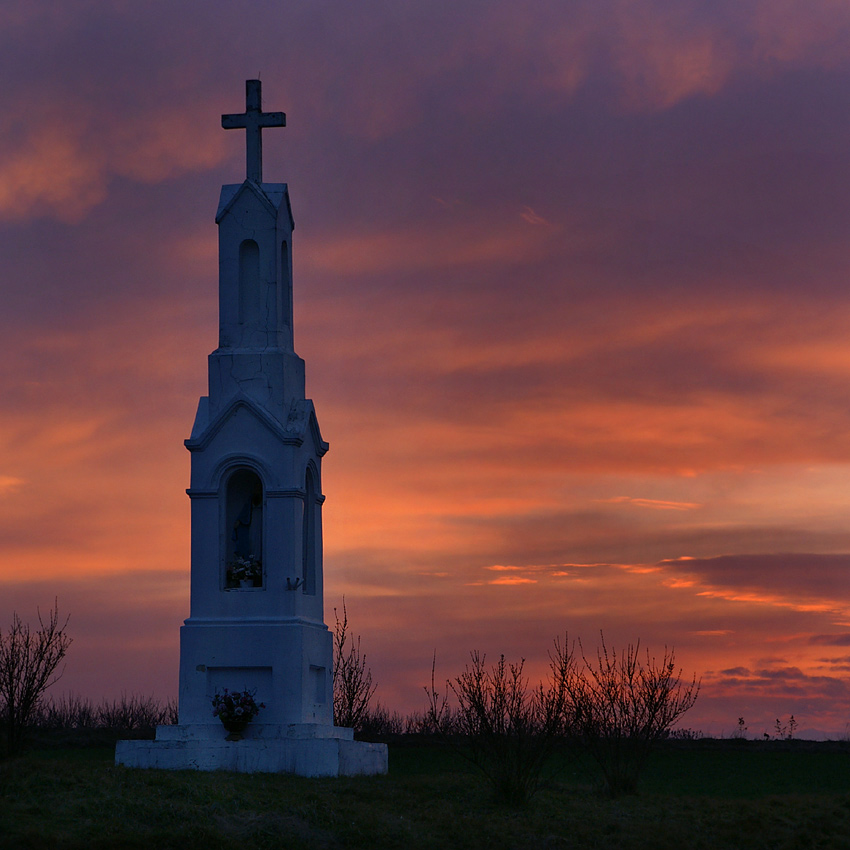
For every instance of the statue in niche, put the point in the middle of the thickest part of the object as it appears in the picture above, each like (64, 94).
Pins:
(245, 526)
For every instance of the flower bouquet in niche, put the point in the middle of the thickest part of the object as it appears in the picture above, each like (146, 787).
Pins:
(245, 572)
(235, 709)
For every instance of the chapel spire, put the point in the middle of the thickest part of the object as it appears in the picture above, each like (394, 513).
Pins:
(256, 607)
(252, 120)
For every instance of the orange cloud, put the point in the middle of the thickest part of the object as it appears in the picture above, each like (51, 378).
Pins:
(8, 484)
(654, 504)
(511, 580)
(63, 164)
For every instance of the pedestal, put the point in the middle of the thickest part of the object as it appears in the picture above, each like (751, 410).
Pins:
(302, 749)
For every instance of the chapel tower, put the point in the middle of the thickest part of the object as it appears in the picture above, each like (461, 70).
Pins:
(256, 610)
(256, 617)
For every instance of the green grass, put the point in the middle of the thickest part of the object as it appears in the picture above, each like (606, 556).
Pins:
(700, 798)
(744, 772)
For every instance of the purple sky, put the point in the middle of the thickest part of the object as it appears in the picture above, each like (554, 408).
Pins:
(571, 286)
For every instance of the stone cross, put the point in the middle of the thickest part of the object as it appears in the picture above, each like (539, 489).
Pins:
(252, 120)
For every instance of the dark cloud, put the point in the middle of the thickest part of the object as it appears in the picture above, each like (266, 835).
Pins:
(737, 672)
(830, 640)
(612, 535)
(788, 681)
(799, 575)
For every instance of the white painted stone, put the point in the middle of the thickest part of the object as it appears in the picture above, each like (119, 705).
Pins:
(304, 756)
(256, 493)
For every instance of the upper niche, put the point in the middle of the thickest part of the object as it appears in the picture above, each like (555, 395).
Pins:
(249, 283)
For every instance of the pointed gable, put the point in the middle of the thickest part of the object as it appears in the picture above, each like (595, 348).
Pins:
(300, 423)
(272, 196)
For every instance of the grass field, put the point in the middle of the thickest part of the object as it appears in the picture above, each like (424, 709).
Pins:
(691, 797)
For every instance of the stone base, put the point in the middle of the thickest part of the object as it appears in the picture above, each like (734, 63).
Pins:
(303, 749)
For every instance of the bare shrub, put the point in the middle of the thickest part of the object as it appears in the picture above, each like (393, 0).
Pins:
(621, 706)
(685, 735)
(70, 711)
(28, 662)
(422, 723)
(506, 729)
(131, 713)
(380, 722)
(170, 716)
(785, 731)
(352, 678)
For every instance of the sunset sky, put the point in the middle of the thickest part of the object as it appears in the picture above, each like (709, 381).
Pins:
(572, 284)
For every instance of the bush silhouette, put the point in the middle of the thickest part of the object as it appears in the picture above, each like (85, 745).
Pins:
(506, 729)
(28, 662)
(620, 706)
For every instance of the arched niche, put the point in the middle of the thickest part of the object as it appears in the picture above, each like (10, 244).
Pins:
(249, 283)
(309, 533)
(243, 529)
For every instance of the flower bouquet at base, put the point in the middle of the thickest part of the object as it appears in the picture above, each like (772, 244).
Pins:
(235, 709)
(245, 572)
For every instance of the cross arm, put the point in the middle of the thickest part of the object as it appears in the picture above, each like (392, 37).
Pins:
(264, 119)
(234, 122)
(272, 119)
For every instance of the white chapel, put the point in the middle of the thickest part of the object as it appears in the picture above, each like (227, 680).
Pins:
(256, 614)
